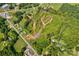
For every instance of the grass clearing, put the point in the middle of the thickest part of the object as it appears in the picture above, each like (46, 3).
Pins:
(19, 45)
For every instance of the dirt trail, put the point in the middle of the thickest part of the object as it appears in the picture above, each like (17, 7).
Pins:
(43, 25)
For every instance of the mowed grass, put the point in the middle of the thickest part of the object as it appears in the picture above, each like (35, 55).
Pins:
(19, 45)
(56, 6)
(54, 25)
(43, 41)
(71, 34)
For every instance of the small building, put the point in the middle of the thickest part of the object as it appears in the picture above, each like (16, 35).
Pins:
(5, 7)
(5, 15)
(28, 52)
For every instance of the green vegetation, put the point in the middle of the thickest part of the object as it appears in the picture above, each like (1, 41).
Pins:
(39, 29)
(1, 36)
(19, 45)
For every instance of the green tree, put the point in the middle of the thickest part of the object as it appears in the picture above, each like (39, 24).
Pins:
(13, 35)
(1, 36)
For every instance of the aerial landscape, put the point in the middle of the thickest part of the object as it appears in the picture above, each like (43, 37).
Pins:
(39, 29)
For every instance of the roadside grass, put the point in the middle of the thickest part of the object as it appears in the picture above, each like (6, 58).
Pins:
(19, 45)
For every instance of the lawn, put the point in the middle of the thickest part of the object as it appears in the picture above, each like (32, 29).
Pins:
(19, 45)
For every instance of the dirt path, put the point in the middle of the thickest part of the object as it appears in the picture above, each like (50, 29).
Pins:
(43, 25)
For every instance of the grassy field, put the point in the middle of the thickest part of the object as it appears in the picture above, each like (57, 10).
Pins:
(59, 37)
(19, 45)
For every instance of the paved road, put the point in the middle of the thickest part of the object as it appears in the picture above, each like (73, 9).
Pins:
(22, 37)
(5, 14)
